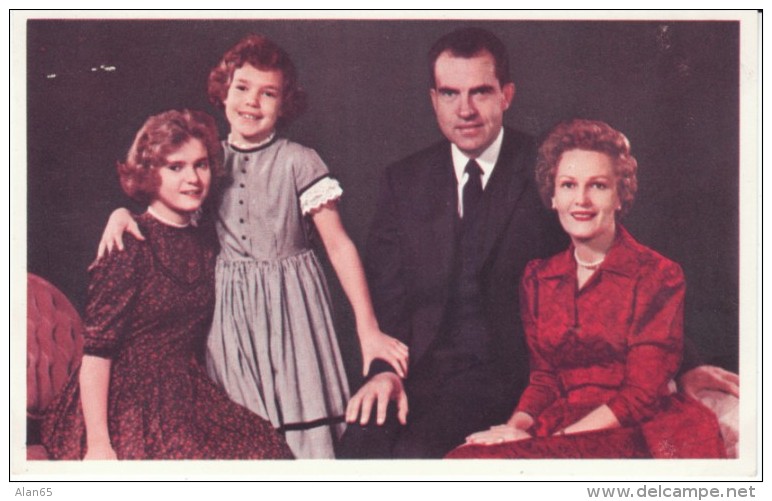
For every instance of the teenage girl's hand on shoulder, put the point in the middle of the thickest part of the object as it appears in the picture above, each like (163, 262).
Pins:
(120, 222)
(376, 344)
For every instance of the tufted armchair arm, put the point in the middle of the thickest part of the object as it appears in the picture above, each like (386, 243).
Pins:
(54, 351)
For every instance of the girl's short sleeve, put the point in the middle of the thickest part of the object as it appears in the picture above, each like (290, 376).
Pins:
(112, 290)
(315, 185)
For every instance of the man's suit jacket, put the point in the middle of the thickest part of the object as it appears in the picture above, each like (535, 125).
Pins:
(412, 245)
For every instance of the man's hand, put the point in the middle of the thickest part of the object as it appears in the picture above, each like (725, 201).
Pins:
(709, 377)
(381, 389)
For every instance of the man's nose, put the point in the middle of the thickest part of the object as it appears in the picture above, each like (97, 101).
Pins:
(466, 107)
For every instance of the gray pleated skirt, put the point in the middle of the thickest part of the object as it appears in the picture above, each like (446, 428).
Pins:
(273, 348)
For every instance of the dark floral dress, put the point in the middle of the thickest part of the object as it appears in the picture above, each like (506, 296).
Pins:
(149, 310)
(617, 341)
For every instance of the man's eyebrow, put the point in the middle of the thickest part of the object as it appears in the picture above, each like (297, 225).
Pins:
(447, 90)
(481, 89)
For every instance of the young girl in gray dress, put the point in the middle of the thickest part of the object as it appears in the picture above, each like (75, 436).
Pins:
(272, 345)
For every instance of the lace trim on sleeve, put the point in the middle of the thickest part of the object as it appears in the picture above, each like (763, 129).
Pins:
(319, 193)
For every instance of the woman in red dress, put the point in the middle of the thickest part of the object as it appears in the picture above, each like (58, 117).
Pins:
(141, 391)
(603, 321)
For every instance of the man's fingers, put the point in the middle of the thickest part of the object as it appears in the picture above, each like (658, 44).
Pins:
(402, 407)
(383, 404)
(367, 408)
(352, 409)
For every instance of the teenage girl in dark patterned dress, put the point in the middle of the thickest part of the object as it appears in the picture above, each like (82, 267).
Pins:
(142, 391)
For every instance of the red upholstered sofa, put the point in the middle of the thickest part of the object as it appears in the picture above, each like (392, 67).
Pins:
(54, 351)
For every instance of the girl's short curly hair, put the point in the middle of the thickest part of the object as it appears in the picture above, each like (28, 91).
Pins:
(160, 136)
(589, 135)
(263, 54)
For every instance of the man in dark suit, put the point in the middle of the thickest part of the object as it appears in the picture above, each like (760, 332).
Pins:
(455, 225)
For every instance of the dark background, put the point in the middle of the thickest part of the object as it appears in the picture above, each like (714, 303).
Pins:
(671, 87)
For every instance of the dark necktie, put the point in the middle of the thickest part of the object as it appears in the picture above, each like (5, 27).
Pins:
(472, 189)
